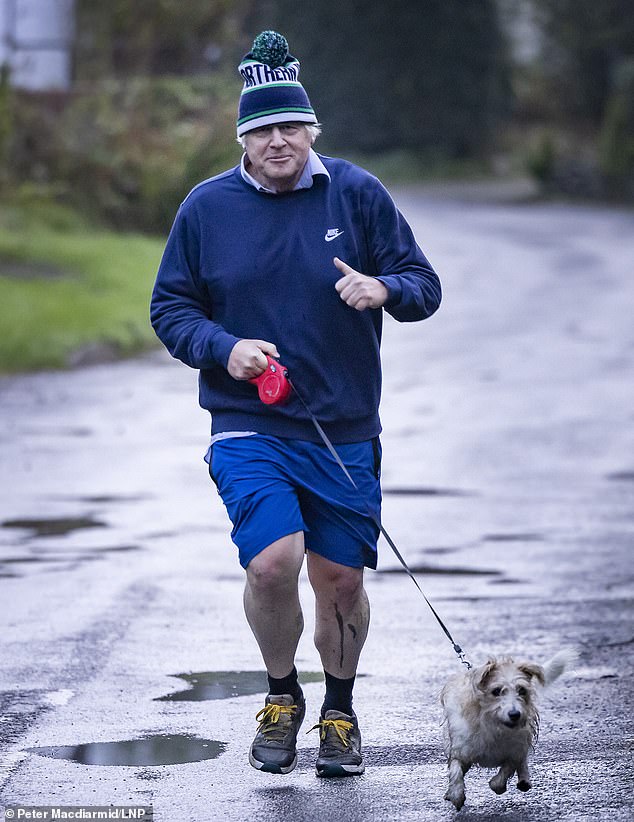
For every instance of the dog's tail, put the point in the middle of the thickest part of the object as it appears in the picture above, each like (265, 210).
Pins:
(562, 661)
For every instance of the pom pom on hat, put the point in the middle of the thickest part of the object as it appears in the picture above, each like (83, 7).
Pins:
(270, 48)
(271, 92)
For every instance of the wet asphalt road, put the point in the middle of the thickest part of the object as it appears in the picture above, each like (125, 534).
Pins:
(509, 486)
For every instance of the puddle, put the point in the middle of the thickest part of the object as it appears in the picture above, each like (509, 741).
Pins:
(114, 549)
(440, 571)
(528, 537)
(100, 499)
(621, 476)
(61, 431)
(226, 685)
(60, 555)
(48, 560)
(426, 492)
(13, 560)
(53, 527)
(106, 498)
(177, 749)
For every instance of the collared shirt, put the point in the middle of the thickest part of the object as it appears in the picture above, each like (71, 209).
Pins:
(313, 167)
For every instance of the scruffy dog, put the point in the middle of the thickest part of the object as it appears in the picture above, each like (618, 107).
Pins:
(491, 719)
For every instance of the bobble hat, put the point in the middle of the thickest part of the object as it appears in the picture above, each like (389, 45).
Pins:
(271, 92)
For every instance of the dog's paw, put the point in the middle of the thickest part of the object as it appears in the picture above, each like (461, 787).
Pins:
(457, 798)
(497, 785)
(524, 785)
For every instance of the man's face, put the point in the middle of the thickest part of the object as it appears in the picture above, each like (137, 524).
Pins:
(277, 154)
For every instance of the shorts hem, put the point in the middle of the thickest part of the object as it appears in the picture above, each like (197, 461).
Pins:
(284, 533)
(366, 560)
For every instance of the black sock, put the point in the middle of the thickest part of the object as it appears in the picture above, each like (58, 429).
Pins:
(287, 685)
(338, 695)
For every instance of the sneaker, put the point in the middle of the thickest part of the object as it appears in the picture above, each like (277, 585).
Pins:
(274, 747)
(339, 746)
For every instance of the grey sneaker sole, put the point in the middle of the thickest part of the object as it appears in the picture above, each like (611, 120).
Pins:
(271, 767)
(337, 770)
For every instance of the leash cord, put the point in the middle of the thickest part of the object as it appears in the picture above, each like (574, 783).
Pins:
(458, 650)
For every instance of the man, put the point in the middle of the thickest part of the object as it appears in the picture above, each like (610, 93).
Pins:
(294, 256)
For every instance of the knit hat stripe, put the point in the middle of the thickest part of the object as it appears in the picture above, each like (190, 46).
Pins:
(284, 110)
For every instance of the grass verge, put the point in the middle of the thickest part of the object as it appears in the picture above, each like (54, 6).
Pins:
(71, 293)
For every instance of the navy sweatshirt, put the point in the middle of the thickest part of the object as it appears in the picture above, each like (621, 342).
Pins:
(242, 263)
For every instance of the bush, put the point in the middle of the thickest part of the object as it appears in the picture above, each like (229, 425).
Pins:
(6, 125)
(541, 158)
(128, 152)
(616, 140)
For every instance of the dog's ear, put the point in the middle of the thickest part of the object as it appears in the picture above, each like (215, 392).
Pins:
(484, 674)
(533, 670)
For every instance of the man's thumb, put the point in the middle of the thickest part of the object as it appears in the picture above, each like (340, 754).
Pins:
(343, 267)
(267, 348)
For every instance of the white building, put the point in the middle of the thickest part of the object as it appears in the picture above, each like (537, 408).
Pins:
(36, 42)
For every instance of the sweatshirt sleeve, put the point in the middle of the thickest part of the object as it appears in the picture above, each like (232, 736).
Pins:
(414, 290)
(181, 307)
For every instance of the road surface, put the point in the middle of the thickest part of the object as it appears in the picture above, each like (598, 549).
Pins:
(128, 675)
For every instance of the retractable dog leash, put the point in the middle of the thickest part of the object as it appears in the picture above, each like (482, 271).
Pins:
(274, 388)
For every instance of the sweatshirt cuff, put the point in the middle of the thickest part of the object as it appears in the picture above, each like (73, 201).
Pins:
(394, 291)
(222, 346)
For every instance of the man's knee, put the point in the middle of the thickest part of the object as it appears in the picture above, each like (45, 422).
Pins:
(335, 581)
(277, 567)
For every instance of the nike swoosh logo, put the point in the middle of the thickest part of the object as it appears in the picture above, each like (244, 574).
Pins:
(332, 234)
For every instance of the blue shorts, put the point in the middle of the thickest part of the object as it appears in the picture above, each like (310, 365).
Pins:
(273, 487)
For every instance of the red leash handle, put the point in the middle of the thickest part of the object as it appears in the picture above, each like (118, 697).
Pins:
(273, 385)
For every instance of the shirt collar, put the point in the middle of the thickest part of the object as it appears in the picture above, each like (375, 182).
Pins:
(313, 167)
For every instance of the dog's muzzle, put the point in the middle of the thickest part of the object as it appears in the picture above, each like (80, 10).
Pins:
(513, 719)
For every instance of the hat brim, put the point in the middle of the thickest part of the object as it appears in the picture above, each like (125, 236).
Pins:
(274, 119)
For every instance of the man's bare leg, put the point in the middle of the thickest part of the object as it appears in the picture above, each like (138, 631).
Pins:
(342, 614)
(342, 617)
(271, 602)
(272, 607)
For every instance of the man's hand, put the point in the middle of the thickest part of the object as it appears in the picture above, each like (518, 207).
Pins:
(357, 290)
(248, 358)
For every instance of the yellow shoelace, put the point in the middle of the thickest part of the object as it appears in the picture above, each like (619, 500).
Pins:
(270, 715)
(342, 728)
